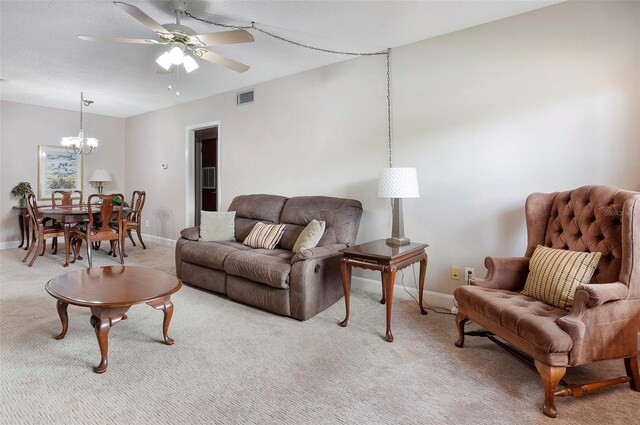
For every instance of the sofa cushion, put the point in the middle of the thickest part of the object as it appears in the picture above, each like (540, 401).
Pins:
(207, 254)
(236, 245)
(244, 227)
(268, 269)
(524, 316)
(342, 217)
(554, 274)
(258, 207)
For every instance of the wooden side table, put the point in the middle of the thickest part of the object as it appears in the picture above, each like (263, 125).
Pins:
(388, 259)
(23, 219)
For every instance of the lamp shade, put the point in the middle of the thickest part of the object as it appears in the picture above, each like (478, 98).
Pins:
(398, 183)
(100, 175)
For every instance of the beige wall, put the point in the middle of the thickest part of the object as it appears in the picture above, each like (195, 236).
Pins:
(544, 101)
(24, 127)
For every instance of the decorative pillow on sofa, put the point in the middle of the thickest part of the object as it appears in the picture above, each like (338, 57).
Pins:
(310, 236)
(264, 236)
(217, 226)
(555, 274)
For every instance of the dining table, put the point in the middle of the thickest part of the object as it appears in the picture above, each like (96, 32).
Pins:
(69, 216)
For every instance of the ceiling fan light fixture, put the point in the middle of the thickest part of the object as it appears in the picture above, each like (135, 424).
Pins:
(189, 64)
(177, 55)
(164, 61)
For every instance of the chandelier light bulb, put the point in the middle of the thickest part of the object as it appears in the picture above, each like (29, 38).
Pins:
(169, 87)
(177, 93)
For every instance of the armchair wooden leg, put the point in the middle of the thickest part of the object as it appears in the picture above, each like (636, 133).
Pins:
(550, 375)
(631, 365)
(461, 319)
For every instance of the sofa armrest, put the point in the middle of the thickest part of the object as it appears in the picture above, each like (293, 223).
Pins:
(509, 273)
(601, 293)
(318, 252)
(585, 315)
(191, 233)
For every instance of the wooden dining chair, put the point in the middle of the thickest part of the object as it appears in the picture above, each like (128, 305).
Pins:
(134, 216)
(65, 198)
(98, 228)
(40, 232)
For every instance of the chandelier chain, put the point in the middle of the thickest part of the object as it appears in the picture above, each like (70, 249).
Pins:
(386, 53)
(81, 103)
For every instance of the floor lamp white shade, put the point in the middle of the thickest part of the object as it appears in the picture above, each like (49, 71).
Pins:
(398, 183)
(100, 176)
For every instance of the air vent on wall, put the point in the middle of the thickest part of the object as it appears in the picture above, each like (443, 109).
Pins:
(244, 97)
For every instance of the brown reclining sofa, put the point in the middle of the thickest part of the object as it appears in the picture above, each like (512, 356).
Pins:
(297, 285)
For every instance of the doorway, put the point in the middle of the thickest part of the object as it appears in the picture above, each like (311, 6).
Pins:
(205, 171)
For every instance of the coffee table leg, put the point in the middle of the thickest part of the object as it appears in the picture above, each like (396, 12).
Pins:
(64, 318)
(102, 327)
(102, 319)
(345, 269)
(423, 272)
(167, 308)
(389, 278)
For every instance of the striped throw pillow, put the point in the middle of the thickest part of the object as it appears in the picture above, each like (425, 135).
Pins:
(555, 274)
(264, 235)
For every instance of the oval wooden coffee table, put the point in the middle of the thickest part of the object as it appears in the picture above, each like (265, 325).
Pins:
(109, 292)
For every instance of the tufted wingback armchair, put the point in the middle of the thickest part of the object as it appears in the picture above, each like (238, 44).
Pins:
(603, 321)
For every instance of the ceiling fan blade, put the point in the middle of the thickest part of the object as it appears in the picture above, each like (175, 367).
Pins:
(224, 37)
(221, 60)
(142, 17)
(119, 40)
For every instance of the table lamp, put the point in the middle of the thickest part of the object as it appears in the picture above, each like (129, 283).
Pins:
(100, 176)
(398, 183)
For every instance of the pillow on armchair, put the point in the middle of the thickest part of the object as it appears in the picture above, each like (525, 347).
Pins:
(554, 274)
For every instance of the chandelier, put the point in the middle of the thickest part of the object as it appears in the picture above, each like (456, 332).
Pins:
(79, 144)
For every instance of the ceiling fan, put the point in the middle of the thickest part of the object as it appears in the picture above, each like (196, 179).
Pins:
(183, 40)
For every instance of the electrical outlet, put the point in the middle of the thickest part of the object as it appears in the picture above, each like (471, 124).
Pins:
(469, 273)
(455, 273)
(146, 223)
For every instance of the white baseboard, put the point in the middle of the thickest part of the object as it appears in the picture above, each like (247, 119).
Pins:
(158, 240)
(150, 238)
(10, 244)
(430, 299)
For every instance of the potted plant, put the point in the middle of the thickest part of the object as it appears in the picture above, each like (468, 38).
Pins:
(118, 201)
(21, 190)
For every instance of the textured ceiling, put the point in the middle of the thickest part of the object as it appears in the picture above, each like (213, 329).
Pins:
(46, 64)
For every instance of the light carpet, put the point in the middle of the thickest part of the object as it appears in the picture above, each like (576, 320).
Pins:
(236, 364)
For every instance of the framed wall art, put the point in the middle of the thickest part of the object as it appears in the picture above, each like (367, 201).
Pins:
(58, 170)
